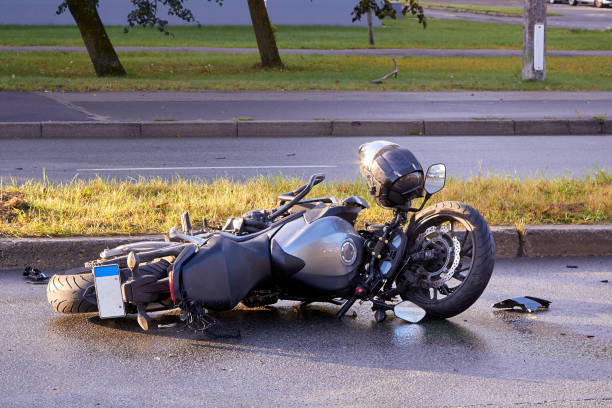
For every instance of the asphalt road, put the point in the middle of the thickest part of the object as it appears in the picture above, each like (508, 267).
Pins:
(584, 17)
(61, 160)
(306, 105)
(556, 358)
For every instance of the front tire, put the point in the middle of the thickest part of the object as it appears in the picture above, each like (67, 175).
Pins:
(467, 278)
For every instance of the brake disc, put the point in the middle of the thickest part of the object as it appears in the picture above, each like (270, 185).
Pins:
(437, 272)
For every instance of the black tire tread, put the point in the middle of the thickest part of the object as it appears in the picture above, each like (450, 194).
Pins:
(65, 293)
(484, 260)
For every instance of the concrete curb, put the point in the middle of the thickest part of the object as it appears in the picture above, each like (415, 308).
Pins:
(58, 253)
(303, 128)
(536, 241)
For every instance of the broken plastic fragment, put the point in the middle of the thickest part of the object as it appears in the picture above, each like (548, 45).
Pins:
(527, 304)
(409, 312)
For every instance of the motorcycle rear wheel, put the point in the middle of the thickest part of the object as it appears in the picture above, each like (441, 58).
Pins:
(66, 293)
(75, 293)
(469, 278)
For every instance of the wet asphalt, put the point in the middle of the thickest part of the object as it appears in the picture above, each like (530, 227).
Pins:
(287, 357)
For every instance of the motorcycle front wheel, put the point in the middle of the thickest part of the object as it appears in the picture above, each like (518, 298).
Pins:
(455, 279)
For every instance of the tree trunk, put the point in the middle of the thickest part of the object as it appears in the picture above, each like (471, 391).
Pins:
(268, 51)
(99, 47)
(370, 30)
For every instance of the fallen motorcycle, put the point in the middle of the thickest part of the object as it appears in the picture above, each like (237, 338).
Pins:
(437, 260)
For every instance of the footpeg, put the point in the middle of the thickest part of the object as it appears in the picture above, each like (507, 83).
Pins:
(133, 262)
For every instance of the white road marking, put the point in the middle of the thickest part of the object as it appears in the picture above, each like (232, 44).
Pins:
(314, 166)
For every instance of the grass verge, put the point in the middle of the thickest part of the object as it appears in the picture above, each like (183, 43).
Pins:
(400, 33)
(61, 71)
(103, 207)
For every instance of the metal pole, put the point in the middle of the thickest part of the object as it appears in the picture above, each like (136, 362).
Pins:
(534, 40)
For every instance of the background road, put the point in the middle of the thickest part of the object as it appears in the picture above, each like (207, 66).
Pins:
(582, 17)
(239, 158)
(306, 105)
(558, 358)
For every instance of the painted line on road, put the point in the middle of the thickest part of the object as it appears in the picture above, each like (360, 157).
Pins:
(314, 166)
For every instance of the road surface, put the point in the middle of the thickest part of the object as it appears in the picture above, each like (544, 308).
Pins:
(556, 358)
(61, 160)
(583, 18)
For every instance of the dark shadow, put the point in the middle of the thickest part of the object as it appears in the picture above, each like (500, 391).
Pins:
(312, 333)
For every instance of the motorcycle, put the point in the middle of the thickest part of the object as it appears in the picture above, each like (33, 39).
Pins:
(435, 261)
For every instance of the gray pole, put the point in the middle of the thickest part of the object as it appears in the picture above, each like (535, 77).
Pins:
(534, 40)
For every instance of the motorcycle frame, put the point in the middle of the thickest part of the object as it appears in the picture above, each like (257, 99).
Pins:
(374, 288)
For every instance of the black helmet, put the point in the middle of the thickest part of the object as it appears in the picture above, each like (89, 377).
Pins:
(393, 174)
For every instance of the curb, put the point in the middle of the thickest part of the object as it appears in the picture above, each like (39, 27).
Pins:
(58, 253)
(304, 128)
(535, 241)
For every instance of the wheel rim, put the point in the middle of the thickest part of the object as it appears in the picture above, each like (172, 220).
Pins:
(430, 290)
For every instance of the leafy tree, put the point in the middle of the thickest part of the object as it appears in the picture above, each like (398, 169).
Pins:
(383, 9)
(145, 13)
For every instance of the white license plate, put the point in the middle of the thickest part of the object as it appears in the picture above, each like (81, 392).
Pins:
(108, 291)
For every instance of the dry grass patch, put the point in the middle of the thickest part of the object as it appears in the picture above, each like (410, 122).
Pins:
(11, 205)
(105, 207)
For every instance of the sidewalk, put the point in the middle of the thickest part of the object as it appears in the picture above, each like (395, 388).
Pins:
(391, 52)
(309, 113)
(302, 106)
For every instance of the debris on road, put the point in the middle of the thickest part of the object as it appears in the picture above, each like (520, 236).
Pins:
(34, 276)
(389, 75)
(527, 304)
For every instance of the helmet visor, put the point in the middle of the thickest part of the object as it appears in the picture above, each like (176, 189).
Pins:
(369, 151)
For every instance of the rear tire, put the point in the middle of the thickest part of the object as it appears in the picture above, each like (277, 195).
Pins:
(481, 260)
(75, 293)
(66, 293)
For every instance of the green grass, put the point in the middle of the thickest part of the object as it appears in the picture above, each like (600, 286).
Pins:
(103, 207)
(402, 33)
(189, 71)
(511, 11)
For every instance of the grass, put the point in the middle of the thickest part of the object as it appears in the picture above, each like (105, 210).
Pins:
(62, 71)
(511, 11)
(401, 33)
(104, 207)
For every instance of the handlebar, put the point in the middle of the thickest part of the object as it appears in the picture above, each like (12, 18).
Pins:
(296, 195)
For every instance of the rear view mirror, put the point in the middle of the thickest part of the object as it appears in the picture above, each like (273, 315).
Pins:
(435, 178)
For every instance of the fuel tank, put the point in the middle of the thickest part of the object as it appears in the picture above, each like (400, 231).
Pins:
(323, 254)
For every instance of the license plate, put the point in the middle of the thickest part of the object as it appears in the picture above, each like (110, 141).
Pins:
(108, 291)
